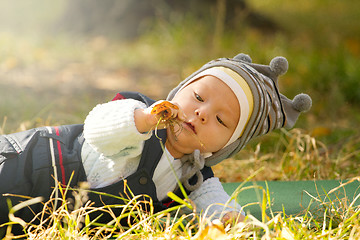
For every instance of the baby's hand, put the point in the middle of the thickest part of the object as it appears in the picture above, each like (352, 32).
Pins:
(232, 217)
(157, 115)
(165, 110)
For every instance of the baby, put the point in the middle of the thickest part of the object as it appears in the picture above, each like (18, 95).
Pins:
(218, 109)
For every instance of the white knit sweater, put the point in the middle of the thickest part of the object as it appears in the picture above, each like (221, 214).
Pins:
(112, 151)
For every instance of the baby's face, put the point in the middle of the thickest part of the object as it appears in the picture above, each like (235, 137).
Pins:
(212, 111)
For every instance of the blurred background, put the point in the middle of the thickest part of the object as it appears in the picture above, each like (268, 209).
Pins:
(60, 58)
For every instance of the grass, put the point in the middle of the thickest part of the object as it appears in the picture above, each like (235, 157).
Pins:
(336, 219)
(321, 40)
(332, 217)
(293, 155)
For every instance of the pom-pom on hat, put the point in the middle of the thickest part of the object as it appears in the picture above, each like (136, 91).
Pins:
(262, 107)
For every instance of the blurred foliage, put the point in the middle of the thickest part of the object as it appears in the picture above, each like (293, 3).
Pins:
(29, 17)
(293, 155)
(53, 77)
(132, 17)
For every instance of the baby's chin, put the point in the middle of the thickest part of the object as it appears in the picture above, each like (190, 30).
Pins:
(186, 143)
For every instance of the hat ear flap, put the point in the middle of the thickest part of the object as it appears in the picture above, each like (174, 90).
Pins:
(224, 153)
(292, 108)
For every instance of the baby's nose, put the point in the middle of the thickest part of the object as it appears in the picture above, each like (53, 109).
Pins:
(201, 114)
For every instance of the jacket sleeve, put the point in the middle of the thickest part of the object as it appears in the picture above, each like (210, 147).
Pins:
(212, 200)
(110, 127)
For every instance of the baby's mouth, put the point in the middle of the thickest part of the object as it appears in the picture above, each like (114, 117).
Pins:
(192, 127)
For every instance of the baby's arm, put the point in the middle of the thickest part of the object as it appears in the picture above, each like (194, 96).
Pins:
(110, 127)
(113, 126)
(211, 197)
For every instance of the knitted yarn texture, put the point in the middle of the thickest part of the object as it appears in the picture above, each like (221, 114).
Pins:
(271, 110)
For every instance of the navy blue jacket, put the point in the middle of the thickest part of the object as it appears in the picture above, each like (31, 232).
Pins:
(30, 161)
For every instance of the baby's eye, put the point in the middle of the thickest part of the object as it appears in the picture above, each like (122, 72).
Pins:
(197, 96)
(220, 120)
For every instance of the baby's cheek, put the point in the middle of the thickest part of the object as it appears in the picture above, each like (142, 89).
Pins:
(213, 145)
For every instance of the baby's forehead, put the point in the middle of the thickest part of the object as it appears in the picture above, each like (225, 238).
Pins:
(224, 95)
(209, 81)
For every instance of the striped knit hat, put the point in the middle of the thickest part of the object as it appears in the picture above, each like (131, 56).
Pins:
(263, 108)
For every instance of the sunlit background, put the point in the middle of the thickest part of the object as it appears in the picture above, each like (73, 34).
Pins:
(58, 59)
